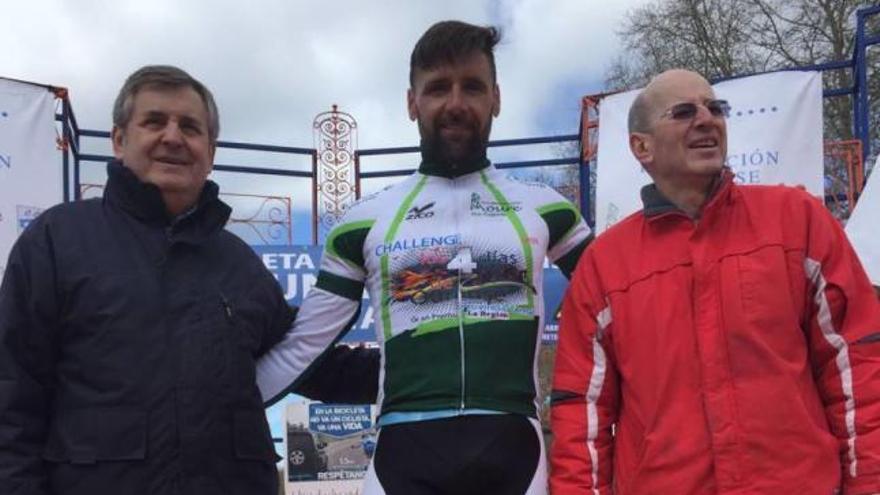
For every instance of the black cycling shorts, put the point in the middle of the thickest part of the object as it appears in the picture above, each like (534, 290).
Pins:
(476, 454)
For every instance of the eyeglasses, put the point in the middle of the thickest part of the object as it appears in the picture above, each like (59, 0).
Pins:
(688, 110)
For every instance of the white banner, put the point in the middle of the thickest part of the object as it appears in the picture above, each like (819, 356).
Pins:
(774, 135)
(329, 447)
(862, 226)
(30, 171)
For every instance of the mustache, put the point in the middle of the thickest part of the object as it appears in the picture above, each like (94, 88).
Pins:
(436, 149)
(458, 120)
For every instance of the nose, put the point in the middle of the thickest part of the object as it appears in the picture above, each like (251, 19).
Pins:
(172, 135)
(703, 116)
(455, 101)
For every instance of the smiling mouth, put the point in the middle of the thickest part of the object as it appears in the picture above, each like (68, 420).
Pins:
(707, 143)
(456, 132)
(172, 161)
(455, 129)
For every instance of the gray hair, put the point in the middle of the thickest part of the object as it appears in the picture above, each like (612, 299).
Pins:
(638, 119)
(168, 77)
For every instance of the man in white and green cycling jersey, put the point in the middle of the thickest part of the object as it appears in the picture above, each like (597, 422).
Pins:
(452, 259)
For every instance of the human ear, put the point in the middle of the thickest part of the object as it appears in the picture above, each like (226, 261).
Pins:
(117, 137)
(641, 147)
(411, 107)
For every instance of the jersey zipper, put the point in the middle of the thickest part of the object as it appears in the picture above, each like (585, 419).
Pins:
(457, 209)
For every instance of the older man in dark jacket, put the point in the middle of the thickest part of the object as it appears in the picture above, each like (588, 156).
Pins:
(129, 325)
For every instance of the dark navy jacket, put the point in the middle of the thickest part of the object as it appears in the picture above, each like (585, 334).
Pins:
(127, 351)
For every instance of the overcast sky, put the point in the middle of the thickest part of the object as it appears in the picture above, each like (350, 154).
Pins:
(274, 65)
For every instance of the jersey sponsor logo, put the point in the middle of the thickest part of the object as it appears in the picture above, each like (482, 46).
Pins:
(416, 243)
(25, 215)
(416, 212)
(482, 208)
(491, 277)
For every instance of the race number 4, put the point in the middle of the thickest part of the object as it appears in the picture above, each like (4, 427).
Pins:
(462, 261)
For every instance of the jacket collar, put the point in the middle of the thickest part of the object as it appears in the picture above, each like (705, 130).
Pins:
(144, 202)
(656, 204)
(432, 168)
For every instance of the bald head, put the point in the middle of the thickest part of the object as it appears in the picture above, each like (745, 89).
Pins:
(660, 93)
(683, 151)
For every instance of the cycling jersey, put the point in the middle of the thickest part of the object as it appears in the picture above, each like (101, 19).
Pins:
(453, 265)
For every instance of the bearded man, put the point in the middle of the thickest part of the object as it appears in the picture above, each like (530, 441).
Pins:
(452, 259)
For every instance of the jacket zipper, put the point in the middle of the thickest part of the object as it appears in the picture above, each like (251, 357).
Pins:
(227, 308)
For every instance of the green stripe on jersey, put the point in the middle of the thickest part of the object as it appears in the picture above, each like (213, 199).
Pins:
(341, 286)
(452, 323)
(568, 262)
(518, 227)
(561, 218)
(346, 242)
(385, 300)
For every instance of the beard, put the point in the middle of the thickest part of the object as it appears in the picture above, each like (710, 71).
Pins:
(453, 153)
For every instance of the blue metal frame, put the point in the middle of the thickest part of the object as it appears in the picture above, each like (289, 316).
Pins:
(65, 131)
(502, 165)
(84, 157)
(860, 77)
(585, 182)
(859, 89)
(858, 64)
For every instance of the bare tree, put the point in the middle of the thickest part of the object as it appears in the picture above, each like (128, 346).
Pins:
(723, 38)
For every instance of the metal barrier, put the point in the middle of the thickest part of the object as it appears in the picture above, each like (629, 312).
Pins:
(844, 191)
(71, 135)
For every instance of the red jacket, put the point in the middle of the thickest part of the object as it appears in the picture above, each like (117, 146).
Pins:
(739, 354)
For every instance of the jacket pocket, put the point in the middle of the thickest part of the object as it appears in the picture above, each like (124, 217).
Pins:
(251, 436)
(86, 436)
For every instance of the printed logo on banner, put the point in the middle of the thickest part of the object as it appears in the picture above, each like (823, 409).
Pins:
(774, 136)
(29, 157)
(339, 421)
(747, 167)
(25, 215)
(329, 444)
(758, 112)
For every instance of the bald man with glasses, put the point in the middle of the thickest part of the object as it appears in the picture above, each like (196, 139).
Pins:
(723, 340)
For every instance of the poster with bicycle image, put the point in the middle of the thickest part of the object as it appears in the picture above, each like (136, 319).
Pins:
(329, 447)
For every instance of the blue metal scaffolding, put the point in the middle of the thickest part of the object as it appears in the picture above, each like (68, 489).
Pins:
(858, 64)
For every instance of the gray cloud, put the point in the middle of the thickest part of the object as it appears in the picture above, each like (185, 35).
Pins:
(273, 65)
